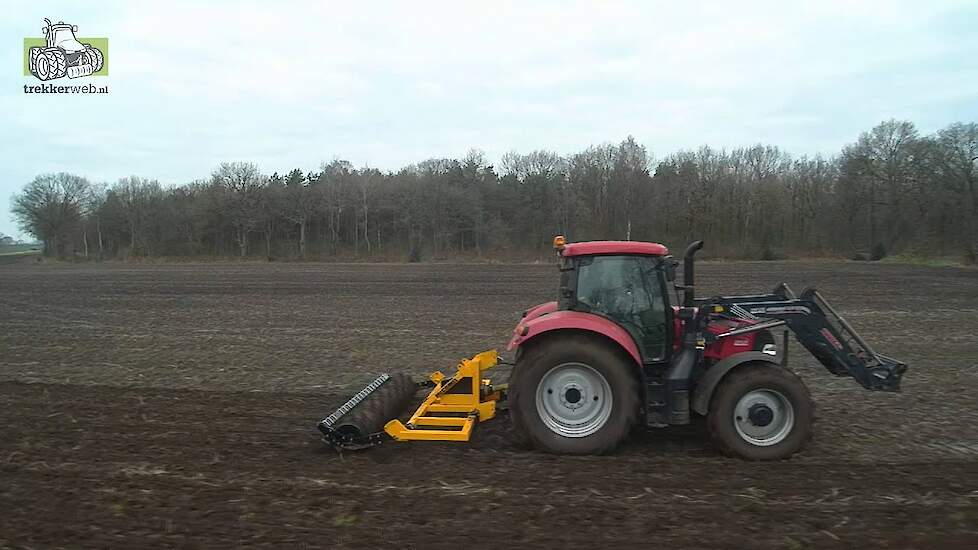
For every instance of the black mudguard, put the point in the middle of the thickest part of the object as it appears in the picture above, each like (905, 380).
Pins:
(708, 382)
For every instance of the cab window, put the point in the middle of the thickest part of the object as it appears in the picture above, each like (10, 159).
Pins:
(626, 289)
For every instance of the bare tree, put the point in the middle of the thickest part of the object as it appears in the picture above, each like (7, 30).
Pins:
(49, 207)
(94, 201)
(240, 185)
(140, 198)
(959, 168)
(891, 189)
(299, 204)
(879, 165)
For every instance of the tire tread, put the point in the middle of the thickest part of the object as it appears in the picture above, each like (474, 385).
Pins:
(725, 437)
(519, 387)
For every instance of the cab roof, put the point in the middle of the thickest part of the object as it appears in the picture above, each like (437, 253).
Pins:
(588, 248)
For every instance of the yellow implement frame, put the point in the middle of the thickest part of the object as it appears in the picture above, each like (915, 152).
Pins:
(454, 405)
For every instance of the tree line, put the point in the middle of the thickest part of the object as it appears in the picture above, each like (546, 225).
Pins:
(892, 190)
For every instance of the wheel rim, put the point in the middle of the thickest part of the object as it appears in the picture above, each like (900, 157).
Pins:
(764, 417)
(42, 66)
(574, 400)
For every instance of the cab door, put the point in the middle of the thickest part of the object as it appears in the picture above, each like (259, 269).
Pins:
(627, 289)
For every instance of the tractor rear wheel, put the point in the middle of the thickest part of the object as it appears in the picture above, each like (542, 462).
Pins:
(761, 412)
(56, 63)
(573, 394)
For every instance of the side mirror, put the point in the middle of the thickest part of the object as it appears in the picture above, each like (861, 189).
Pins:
(74, 28)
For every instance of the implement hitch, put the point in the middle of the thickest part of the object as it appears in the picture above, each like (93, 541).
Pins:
(454, 405)
(449, 412)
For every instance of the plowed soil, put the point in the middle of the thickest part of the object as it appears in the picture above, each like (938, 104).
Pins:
(175, 405)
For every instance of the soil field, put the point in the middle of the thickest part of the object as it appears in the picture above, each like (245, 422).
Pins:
(174, 405)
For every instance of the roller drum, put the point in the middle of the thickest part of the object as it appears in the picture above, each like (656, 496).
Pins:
(384, 404)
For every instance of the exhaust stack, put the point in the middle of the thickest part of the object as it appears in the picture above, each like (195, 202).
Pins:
(689, 294)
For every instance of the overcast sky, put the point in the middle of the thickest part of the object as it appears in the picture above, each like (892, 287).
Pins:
(385, 84)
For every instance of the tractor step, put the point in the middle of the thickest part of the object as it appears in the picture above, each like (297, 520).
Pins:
(656, 408)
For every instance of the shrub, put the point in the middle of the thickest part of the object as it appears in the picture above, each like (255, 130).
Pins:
(414, 255)
(878, 252)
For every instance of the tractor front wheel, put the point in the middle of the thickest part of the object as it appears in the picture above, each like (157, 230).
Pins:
(573, 394)
(761, 412)
(33, 55)
(95, 57)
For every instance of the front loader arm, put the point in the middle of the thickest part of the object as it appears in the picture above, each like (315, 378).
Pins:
(820, 329)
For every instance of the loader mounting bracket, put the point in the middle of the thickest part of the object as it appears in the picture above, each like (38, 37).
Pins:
(821, 330)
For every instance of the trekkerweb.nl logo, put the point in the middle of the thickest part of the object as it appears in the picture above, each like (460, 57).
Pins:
(62, 54)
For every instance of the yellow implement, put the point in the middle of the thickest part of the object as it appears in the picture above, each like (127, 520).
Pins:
(454, 405)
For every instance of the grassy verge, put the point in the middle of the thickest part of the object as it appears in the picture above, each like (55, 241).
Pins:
(929, 261)
(19, 249)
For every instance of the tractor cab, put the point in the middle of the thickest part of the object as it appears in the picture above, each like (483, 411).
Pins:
(625, 282)
(62, 35)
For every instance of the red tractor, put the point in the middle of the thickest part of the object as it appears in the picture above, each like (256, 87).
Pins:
(63, 54)
(613, 351)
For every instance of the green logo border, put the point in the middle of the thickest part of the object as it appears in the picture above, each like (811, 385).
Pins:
(100, 42)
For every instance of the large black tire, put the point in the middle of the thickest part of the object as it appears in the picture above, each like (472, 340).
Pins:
(32, 55)
(95, 57)
(40, 65)
(765, 380)
(602, 358)
(57, 62)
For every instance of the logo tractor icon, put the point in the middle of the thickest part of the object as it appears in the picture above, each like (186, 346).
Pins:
(64, 54)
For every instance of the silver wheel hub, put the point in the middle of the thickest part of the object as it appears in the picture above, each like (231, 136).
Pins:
(764, 417)
(574, 400)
